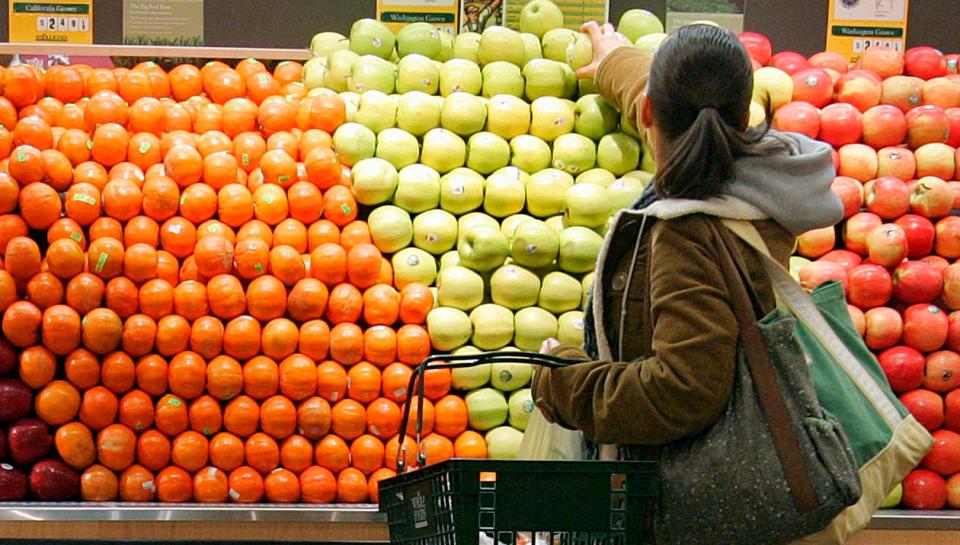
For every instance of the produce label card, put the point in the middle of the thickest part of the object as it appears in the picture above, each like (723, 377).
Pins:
(855, 25)
(64, 21)
(575, 12)
(726, 13)
(163, 22)
(398, 13)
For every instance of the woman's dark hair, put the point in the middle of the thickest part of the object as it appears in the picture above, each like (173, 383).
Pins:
(701, 86)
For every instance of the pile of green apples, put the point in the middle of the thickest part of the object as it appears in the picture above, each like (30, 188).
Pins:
(491, 173)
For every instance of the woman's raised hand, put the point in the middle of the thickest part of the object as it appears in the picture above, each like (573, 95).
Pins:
(605, 39)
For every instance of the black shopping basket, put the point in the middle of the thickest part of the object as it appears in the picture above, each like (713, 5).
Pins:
(515, 502)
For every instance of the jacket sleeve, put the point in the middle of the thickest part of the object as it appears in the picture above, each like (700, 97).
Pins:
(684, 387)
(622, 79)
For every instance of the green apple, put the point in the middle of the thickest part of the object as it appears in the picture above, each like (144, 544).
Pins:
(467, 46)
(555, 42)
(377, 111)
(555, 223)
(374, 181)
(894, 499)
(618, 153)
(418, 188)
(446, 46)
(579, 248)
(772, 87)
(487, 153)
(520, 407)
(570, 78)
(459, 287)
(586, 205)
(435, 231)
(508, 377)
(499, 43)
(486, 409)
(390, 228)
(545, 191)
(514, 287)
(492, 326)
(324, 43)
(574, 153)
(418, 73)
(504, 193)
(371, 37)
(460, 76)
(503, 443)
(531, 47)
(413, 265)
(483, 248)
(339, 66)
(596, 176)
(580, 52)
(650, 42)
(529, 153)
(449, 259)
(509, 224)
(370, 72)
(508, 116)
(586, 87)
(539, 16)
(587, 283)
(351, 103)
(758, 116)
(544, 77)
(463, 113)
(314, 72)
(534, 244)
(551, 117)
(476, 219)
(398, 147)
(469, 378)
(443, 150)
(417, 113)
(502, 78)
(559, 293)
(624, 192)
(595, 117)
(635, 23)
(449, 328)
(419, 39)
(533, 325)
(461, 191)
(570, 329)
(353, 143)
(648, 162)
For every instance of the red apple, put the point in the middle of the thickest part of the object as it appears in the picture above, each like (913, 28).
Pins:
(951, 286)
(757, 46)
(887, 197)
(813, 85)
(916, 282)
(799, 117)
(844, 258)
(3, 446)
(830, 60)
(938, 263)
(955, 188)
(13, 483)
(925, 406)
(941, 92)
(817, 242)
(850, 192)
(931, 197)
(53, 480)
(925, 63)
(903, 367)
(953, 332)
(8, 357)
(859, 162)
(856, 229)
(887, 245)
(860, 88)
(28, 440)
(817, 272)
(948, 237)
(883, 61)
(840, 124)
(16, 399)
(945, 456)
(920, 234)
(790, 62)
(834, 75)
(884, 328)
(936, 159)
(953, 492)
(943, 371)
(903, 92)
(953, 116)
(884, 126)
(951, 416)
(859, 320)
(925, 327)
(927, 124)
(924, 490)
(869, 286)
(896, 162)
(833, 152)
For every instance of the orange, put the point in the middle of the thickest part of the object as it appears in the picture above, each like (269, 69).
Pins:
(266, 298)
(344, 305)
(312, 139)
(363, 264)
(262, 452)
(318, 485)
(21, 325)
(261, 377)
(45, 290)
(307, 300)
(213, 255)
(11, 226)
(110, 144)
(366, 453)
(210, 485)
(27, 165)
(206, 337)
(278, 417)
(331, 381)
(413, 344)
(33, 130)
(383, 418)
(314, 339)
(251, 257)
(278, 168)
(98, 484)
(167, 266)
(22, 257)
(225, 296)
(246, 485)
(190, 451)
(185, 81)
(241, 338)
(67, 228)
(198, 203)
(429, 416)
(324, 112)
(224, 85)
(248, 149)
(380, 345)
(291, 233)
(40, 205)
(140, 262)
(381, 305)
(224, 378)
(57, 403)
(98, 409)
(373, 482)
(351, 486)
(363, 381)
(134, 86)
(177, 117)
(239, 116)
(277, 114)
(147, 115)
(141, 230)
(356, 232)
(287, 264)
(408, 452)
(436, 383)
(8, 290)
(152, 375)
(73, 144)
(161, 198)
(298, 377)
(296, 453)
(59, 170)
(64, 83)
(122, 199)
(118, 372)
(282, 486)
(349, 419)
(187, 375)
(470, 444)
(136, 410)
(89, 172)
(219, 169)
(235, 205)
(21, 86)
(156, 298)
(105, 227)
(82, 369)
(416, 300)
(173, 335)
(324, 171)
(226, 451)
(71, 116)
(116, 447)
(171, 415)
(332, 453)
(241, 416)
(60, 329)
(75, 445)
(205, 415)
(174, 485)
(329, 263)
(305, 202)
(105, 257)
(260, 86)
(122, 296)
(105, 108)
(208, 118)
(184, 165)
(190, 300)
(346, 343)
(136, 484)
(437, 448)
(153, 450)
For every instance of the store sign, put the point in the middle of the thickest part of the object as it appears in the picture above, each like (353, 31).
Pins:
(855, 25)
(398, 13)
(163, 22)
(64, 21)
(726, 13)
(575, 12)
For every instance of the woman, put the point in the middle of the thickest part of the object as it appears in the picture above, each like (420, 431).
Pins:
(662, 327)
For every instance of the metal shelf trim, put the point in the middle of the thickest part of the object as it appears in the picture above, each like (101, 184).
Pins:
(916, 520)
(106, 512)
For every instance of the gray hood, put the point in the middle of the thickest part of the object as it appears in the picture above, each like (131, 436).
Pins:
(793, 188)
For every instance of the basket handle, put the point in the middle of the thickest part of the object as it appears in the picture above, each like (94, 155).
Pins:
(450, 361)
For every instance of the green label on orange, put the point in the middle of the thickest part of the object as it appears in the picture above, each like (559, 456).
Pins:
(101, 261)
(144, 147)
(259, 268)
(21, 157)
(76, 237)
(89, 144)
(345, 208)
(283, 178)
(85, 198)
(245, 159)
(175, 402)
(183, 199)
(268, 199)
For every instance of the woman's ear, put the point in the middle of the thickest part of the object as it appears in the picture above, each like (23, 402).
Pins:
(646, 111)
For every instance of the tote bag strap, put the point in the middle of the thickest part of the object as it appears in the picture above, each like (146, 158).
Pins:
(799, 303)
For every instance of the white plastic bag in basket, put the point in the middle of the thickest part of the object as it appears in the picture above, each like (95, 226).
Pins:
(545, 441)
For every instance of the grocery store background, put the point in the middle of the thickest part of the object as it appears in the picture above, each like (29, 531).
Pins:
(798, 25)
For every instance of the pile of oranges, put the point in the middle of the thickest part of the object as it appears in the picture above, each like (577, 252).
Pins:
(195, 298)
